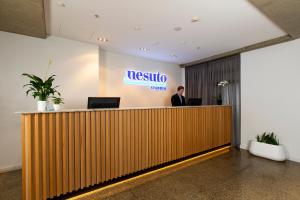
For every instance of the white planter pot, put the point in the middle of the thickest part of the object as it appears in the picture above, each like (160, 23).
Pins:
(41, 106)
(269, 151)
(56, 107)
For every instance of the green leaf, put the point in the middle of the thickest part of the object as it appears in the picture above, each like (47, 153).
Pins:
(268, 138)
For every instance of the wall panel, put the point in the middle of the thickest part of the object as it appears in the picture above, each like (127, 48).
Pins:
(66, 151)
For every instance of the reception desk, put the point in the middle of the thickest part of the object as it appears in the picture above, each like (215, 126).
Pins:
(73, 149)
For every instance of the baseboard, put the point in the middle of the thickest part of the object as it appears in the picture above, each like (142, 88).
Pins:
(244, 146)
(10, 168)
(294, 159)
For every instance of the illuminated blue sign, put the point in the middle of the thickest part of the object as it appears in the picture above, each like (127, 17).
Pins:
(156, 81)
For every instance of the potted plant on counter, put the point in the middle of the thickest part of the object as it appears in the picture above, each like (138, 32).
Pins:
(267, 146)
(57, 101)
(224, 84)
(41, 88)
(219, 99)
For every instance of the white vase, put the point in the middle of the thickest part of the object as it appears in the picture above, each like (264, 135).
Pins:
(56, 107)
(225, 96)
(41, 106)
(269, 151)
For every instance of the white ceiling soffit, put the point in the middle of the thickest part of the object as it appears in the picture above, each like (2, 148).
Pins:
(146, 28)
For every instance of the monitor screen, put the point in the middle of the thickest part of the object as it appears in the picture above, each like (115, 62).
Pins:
(103, 102)
(195, 102)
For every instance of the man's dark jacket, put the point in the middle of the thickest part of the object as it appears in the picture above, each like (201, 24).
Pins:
(176, 100)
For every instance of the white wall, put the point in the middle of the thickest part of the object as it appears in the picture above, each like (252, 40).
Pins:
(271, 95)
(74, 63)
(112, 70)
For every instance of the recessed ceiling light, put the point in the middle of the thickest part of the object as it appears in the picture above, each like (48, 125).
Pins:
(137, 28)
(96, 16)
(195, 19)
(101, 39)
(61, 4)
(173, 55)
(183, 42)
(144, 49)
(177, 28)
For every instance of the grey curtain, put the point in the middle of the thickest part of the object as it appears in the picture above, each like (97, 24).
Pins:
(201, 82)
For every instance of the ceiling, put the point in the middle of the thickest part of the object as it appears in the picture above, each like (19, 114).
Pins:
(224, 26)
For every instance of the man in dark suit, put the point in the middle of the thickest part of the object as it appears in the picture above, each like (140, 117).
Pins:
(177, 99)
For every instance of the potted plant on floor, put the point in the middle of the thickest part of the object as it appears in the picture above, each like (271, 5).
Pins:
(57, 101)
(267, 146)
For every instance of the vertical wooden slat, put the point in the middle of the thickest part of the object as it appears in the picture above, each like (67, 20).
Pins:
(133, 128)
(77, 150)
(88, 166)
(203, 128)
(29, 156)
(177, 133)
(82, 150)
(103, 145)
(153, 136)
(132, 162)
(156, 137)
(52, 156)
(23, 132)
(181, 134)
(58, 145)
(162, 135)
(150, 147)
(93, 149)
(125, 139)
(121, 143)
(37, 157)
(173, 143)
(71, 123)
(129, 146)
(194, 130)
(136, 140)
(150, 138)
(107, 145)
(45, 155)
(65, 152)
(146, 164)
(112, 144)
(169, 129)
(145, 138)
(116, 143)
(159, 136)
(98, 146)
(139, 135)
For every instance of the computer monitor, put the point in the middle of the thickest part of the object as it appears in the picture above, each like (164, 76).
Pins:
(195, 102)
(103, 102)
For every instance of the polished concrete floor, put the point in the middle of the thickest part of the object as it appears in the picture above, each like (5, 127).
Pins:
(11, 185)
(235, 175)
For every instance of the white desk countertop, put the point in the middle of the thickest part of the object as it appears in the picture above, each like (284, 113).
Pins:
(123, 108)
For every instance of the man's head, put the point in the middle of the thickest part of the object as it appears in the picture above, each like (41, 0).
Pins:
(180, 90)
